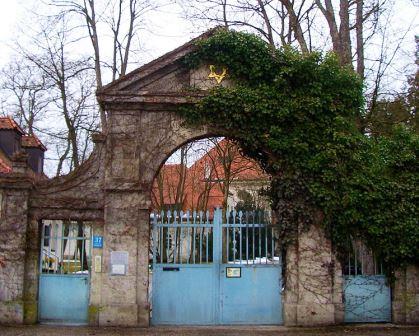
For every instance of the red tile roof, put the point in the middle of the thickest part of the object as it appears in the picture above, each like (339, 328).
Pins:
(28, 141)
(32, 141)
(9, 123)
(202, 185)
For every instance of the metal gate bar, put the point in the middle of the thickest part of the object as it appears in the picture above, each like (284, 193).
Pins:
(262, 238)
(53, 261)
(182, 235)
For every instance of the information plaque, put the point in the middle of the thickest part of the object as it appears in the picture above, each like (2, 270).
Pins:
(119, 262)
(233, 272)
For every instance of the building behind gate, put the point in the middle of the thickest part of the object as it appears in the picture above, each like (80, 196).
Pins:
(103, 209)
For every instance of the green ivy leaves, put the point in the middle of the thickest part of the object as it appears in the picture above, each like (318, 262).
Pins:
(295, 114)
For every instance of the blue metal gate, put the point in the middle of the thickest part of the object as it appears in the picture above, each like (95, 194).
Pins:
(64, 272)
(207, 270)
(366, 291)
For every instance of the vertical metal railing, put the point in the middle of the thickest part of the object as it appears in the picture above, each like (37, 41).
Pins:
(64, 250)
(182, 237)
(187, 237)
(361, 260)
(250, 238)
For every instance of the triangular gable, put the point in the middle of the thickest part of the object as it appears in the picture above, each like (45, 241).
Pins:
(162, 75)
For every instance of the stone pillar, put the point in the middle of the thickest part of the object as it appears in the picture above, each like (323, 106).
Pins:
(124, 298)
(96, 278)
(142, 267)
(405, 304)
(119, 304)
(313, 293)
(30, 297)
(13, 227)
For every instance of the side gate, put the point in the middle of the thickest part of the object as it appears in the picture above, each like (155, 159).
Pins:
(207, 270)
(367, 294)
(64, 273)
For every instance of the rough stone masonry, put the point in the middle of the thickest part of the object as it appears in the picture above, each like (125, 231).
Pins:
(112, 190)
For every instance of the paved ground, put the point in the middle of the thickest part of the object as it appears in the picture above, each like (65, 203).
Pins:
(353, 330)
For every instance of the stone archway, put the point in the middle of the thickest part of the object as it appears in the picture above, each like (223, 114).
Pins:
(143, 130)
(113, 189)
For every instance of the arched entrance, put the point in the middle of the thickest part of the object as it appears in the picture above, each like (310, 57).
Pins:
(213, 264)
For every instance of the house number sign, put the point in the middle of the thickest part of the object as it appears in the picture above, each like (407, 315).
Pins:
(97, 242)
(233, 272)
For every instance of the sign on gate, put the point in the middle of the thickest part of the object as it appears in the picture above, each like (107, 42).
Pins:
(207, 270)
(233, 272)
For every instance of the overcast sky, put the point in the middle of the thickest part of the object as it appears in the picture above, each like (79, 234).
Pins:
(169, 28)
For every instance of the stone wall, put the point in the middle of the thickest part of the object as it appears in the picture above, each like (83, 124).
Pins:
(13, 230)
(405, 304)
(313, 282)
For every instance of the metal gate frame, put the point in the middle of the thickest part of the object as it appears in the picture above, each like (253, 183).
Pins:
(171, 272)
(64, 286)
(367, 294)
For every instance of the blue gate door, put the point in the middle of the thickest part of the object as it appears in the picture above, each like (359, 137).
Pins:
(367, 298)
(255, 298)
(209, 272)
(64, 273)
(250, 277)
(63, 299)
(366, 291)
(184, 275)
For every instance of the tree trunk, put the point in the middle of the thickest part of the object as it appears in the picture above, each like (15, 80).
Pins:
(267, 23)
(295, 25)
(344, 33)
(328, 13)
(360, 62)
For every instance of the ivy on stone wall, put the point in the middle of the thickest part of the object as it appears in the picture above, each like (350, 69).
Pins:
(296, 115)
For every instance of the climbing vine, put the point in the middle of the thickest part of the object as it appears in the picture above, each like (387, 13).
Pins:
(296, 115)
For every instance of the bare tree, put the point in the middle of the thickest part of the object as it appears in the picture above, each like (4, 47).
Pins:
(70, 90)
(26, 90)
(123, 18)
(359, 32)
(170, 185)
(226, 164)
(280, 22)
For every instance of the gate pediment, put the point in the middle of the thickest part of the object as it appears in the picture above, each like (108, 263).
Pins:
(164, 80)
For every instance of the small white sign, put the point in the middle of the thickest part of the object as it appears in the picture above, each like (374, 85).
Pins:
(98, 264)
(233, 272)
(119, 262)
(118, 269)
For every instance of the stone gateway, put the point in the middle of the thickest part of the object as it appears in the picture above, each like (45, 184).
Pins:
(109, 196)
